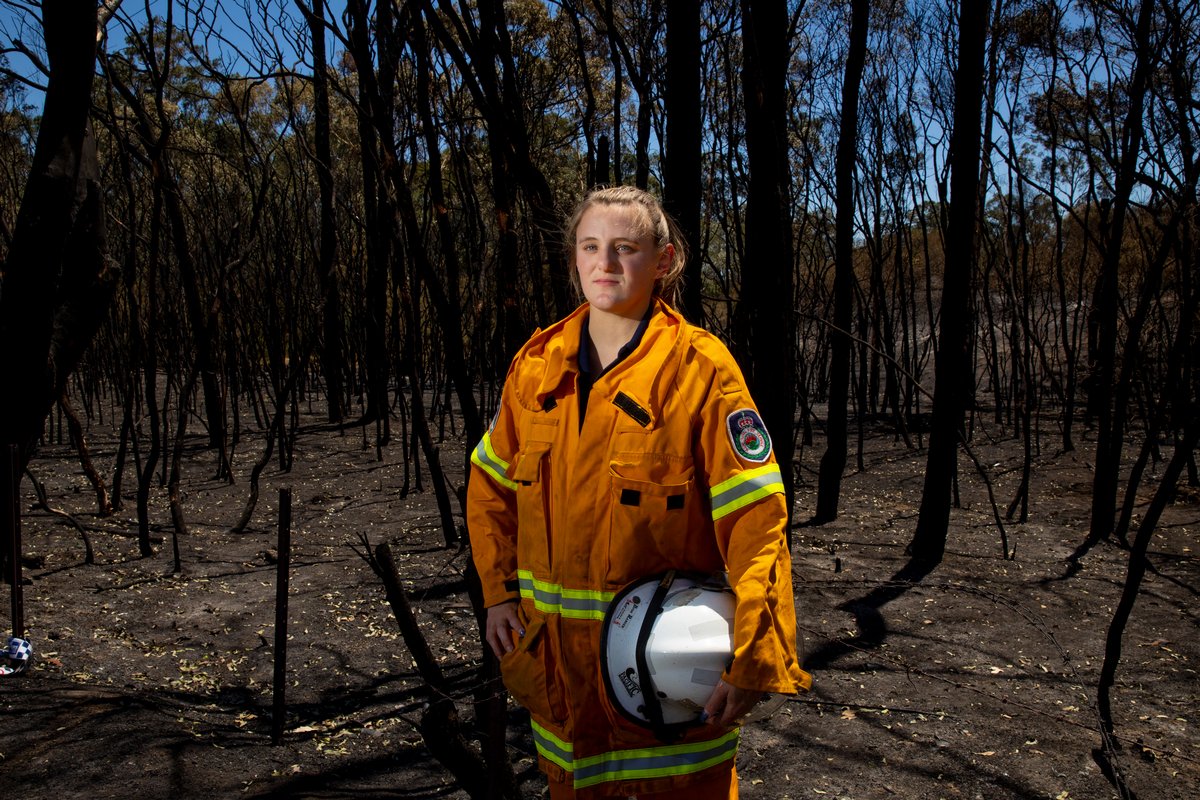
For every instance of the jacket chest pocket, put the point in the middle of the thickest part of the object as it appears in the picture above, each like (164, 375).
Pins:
(531, 472)
(653, 521)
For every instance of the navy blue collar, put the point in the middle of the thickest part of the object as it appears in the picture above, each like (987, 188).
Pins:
(585, 355)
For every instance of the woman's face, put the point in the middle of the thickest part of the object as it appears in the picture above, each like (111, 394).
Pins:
(617, 262)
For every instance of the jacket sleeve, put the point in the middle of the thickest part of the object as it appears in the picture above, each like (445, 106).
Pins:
(492, 507)
(749, 516)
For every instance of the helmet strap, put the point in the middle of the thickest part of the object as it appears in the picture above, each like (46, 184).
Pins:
(664, 732)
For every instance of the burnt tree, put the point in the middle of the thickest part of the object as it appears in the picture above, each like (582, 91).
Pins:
(57, 279)
(682, 167)
(765, 317)
(953, 378)
(833, 462)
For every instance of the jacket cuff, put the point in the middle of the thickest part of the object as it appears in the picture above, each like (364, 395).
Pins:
(498, 593)
(789, 680)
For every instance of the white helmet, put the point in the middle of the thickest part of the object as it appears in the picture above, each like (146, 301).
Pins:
(666, 641)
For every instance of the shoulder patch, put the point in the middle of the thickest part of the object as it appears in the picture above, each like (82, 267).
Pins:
(748, 435)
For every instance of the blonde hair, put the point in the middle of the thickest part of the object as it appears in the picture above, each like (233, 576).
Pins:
(653, 221)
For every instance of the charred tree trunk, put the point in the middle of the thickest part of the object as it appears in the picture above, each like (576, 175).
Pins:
(57, 280)
(588, 117)
(1133, 581)
(1110, 419)
(765, 315)
(833, 462)
(202, 318)
(378, 232)
(174, 499)
(476, 58)
(333, 349)
(79, 442)
(483, 53)
(129, 392)
(953, 376)
(682, 170)
(409, 286)
(446, 297)
(380, 110)
(155, 136)
(298, 367)
(148, 347)
(609, 17)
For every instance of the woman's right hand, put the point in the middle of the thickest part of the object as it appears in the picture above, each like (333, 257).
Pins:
(501, 622)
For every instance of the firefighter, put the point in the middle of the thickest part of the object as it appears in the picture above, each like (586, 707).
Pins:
(627, 444)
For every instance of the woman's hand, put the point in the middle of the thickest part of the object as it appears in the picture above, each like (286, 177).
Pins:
(728, 705)
(501, 622)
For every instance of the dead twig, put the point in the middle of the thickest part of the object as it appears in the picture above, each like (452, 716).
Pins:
(440, 726)
(44, 503)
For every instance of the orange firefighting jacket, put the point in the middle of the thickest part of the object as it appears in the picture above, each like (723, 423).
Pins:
(672, 469)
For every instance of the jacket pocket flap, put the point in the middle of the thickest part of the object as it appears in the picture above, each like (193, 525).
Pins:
(677, 486)
(526, 467)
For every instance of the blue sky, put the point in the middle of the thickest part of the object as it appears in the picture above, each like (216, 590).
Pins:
(222, 25)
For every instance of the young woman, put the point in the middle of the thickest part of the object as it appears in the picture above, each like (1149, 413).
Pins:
(626, 444)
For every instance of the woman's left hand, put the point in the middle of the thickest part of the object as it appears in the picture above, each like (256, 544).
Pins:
(728, 705)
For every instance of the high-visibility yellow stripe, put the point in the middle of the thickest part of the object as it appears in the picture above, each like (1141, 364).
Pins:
(636, 764)
(486, 459)
(551, 598)
(745, 488)
(552, 748)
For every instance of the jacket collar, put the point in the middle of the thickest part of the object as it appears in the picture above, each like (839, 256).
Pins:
(643, 376)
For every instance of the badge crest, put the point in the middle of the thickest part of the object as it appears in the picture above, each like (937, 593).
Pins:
(748, 435)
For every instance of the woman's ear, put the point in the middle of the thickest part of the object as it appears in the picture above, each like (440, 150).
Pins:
(665, 259)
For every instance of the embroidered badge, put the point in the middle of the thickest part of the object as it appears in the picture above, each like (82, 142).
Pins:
(748, 435)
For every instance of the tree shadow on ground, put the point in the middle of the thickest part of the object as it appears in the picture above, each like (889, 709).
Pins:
(872, 630)
(354, 780)
(892, 755)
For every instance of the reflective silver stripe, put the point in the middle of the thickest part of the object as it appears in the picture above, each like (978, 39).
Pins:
(550, 598)
(486, 459)
(745, 488)
(638, 764)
